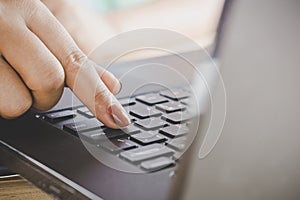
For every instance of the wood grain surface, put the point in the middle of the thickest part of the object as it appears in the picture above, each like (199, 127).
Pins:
(19, 189)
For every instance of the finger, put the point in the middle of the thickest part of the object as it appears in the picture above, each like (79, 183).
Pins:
(89, 87)
(15, 98)
(112, 83)
(62, 45)
(38, 67)
(103, 104)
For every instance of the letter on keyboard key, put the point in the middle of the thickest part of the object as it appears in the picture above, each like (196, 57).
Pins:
(146, 152)
(157, 163)
(60, 115)
(151, 99)
(151, 123)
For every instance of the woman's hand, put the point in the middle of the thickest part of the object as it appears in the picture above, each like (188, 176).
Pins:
(38, 57)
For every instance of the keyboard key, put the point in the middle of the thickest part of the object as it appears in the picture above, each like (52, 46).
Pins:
(127, 102)
(174, 130)
(157, 163)
(170, 107)
(60, 115)
(117, 145)
(186, 101)
(85, 112)
(95, 136)
(132, 118)
(112, 133)
(143, 112)
(89, 114)
(176, 155)
(82, 126)
(99, 135)
(151, 123)
(131, 129)
(146, 152)
(151, 99)
(178, 144)
(148, 137)
(177, 117)
(175, 94)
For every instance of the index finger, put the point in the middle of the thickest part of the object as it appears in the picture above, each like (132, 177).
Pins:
(81, 75)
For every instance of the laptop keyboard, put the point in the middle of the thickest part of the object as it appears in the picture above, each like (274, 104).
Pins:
(157, 133)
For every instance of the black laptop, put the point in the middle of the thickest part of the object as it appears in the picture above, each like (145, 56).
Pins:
(70, 155)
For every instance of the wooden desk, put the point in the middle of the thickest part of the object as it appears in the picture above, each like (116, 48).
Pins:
(19, 189)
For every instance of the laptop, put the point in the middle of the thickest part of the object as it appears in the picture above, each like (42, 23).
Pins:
(254, 156)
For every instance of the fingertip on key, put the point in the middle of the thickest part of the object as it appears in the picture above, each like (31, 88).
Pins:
(119, 115)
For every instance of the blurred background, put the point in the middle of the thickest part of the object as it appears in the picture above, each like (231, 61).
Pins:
(91, 22)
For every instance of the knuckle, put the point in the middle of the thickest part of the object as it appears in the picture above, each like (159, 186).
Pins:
(53, 80)
(74, 61)
(17, 108)
(29, 7)
(7, 8)
(17, 9)
(46, 102)
(46, 105)
(102, 95)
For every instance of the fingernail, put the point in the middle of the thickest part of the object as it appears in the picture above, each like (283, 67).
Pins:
(118, 88)
(120, 115)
